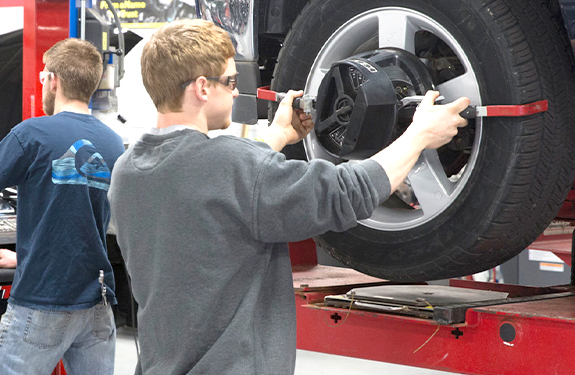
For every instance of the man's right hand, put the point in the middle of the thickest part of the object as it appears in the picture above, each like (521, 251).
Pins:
(7, 258)
(289, 125)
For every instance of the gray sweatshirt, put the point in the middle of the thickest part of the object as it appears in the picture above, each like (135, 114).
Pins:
(203, 224)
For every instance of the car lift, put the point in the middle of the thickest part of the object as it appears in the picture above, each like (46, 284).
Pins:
(531, 332)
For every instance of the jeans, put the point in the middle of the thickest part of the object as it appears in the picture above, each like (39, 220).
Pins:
(33, 341)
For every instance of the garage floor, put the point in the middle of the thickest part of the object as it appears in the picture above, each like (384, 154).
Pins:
(307, 363)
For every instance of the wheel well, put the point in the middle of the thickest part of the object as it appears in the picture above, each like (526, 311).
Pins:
(276, 16)
(275, 19)
(563, 13)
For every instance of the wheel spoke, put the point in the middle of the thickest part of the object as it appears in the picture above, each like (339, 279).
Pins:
(315, 79)
(430, 183)
(326, 124)
(465, 84)
(396, 30)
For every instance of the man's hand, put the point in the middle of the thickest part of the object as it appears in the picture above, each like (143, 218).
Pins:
(436, 125)
(432, 127)
(289, 125)
(7, 258)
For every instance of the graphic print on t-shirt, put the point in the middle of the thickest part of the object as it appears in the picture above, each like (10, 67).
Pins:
(82, 164)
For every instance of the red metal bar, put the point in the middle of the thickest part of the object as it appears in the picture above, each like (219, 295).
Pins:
(45, 23)
(303, 253)
(11, 3)
(517, 110)
(5, 291)
(59, 370)
(266, 94)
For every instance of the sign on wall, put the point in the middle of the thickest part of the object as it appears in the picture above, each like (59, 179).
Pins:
(148, 13)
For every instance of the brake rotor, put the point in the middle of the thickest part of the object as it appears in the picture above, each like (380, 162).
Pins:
(358, 106)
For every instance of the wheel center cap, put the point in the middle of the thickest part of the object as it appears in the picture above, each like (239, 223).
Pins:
(357, 102)
(343, 109)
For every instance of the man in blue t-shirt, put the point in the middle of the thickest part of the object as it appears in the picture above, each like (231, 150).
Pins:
(63, 289)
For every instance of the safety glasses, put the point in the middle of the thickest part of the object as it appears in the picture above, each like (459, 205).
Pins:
(230, 82)
(44, 75)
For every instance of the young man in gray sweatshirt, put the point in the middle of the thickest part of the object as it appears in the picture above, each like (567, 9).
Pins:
(203, 223)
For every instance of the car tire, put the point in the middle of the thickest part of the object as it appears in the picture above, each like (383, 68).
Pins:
(519, 169)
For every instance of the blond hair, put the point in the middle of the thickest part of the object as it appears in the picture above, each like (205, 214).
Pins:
(78, 65)
(179, 52)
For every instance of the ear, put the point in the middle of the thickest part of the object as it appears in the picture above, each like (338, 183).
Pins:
(202, 89)
(54, 83)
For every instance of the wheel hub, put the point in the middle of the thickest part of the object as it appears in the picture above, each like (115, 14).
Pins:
(343, 109)
(358, 106)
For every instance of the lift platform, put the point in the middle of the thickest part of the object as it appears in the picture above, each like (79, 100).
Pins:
(530, 331)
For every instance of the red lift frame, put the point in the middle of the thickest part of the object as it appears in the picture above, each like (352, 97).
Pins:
(544, 330)
(45, 23)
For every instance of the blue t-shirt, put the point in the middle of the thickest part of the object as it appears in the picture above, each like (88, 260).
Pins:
(62, 166)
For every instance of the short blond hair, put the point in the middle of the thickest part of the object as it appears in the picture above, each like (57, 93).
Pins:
(78, 65)
(179, 52)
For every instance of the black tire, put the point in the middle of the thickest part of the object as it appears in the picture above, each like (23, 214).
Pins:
(524, 166)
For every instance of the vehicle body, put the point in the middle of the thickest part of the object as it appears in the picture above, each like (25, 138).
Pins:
(474, 203)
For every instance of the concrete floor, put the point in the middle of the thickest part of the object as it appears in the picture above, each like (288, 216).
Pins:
(307, 363)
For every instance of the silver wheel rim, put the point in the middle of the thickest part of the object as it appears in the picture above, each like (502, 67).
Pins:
(397, 28)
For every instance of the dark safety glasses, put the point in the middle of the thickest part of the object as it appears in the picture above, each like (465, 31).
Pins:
(230, 82)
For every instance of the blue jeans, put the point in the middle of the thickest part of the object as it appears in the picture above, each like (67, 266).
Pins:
(33, 341)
